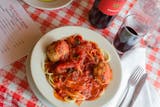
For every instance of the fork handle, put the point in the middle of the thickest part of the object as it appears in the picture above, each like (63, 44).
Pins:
(123, 97)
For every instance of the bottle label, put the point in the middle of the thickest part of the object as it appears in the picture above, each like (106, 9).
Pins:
(111, 7)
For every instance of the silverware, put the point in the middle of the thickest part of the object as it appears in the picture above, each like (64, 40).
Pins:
(138, 89)
(133, 80)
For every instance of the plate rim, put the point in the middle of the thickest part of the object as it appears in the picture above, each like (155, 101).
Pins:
(44, 8)
(32, 85)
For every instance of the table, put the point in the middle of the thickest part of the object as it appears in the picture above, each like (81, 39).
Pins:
(14, 88)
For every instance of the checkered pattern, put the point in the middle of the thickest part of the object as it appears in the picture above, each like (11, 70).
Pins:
(14, 88)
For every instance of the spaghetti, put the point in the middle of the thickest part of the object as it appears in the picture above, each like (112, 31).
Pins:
(77, 69)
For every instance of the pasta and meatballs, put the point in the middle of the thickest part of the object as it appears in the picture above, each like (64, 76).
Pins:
(77, 69)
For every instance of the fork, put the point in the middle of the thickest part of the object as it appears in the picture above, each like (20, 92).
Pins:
(133, 80)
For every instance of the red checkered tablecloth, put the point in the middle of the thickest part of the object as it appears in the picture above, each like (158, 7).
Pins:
(14, 88)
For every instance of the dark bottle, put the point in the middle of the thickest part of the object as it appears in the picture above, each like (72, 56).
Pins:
(103, 12)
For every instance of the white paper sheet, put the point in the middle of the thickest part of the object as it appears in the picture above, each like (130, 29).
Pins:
(18, 32)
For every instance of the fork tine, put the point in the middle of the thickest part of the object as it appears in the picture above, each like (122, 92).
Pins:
(136, 75)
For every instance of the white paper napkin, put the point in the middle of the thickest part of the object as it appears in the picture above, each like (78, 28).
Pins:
(148, 97)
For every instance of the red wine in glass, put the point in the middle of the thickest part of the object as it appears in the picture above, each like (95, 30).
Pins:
(125, 39)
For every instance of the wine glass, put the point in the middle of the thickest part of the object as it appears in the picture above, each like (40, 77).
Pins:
(133, 28)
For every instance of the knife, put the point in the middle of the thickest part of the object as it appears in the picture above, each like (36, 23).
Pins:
(137, 89)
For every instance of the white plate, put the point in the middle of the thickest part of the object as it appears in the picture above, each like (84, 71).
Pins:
(38, 57)
(56, 4)
(33, 86)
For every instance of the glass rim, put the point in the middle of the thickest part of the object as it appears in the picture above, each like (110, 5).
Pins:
(128, 30)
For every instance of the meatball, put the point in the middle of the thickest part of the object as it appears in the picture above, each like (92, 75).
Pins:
(75, 40)
(102, 73)
(57, 50)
